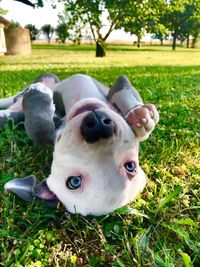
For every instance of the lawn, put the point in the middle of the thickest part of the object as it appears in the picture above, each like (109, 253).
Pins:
(160, 228)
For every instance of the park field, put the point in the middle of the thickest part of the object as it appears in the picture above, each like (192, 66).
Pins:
(161, 227)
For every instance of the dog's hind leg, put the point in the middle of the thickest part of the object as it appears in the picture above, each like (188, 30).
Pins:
(48, 79)
(142, 118)
(39, 110)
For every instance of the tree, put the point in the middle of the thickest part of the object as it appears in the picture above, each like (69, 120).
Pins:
(181, 18)
(76, 33)
(33, 31)
(160, 32)
(191, 23)
(142, 16)
(195, 32)
(62, 32)
(76, 29)
(48, 31)
(91, 12)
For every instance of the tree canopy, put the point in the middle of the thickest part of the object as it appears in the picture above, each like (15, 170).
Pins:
(92, 13)
(33, 31)
(141, 16)
(62, 32)
(182, 18)
(48, 31)
(178, 18)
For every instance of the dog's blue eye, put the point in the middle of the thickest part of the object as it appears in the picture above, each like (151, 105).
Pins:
(130, 166)
(74, 182)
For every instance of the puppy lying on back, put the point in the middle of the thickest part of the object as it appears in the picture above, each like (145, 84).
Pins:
(96, 133)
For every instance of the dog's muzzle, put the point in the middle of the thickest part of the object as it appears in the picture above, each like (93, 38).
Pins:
(97, 125)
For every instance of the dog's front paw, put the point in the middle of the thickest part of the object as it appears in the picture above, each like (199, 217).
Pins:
(142, 120)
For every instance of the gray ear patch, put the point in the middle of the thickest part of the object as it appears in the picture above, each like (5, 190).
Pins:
(22, 187)
(123, 83)
(29, 187)
(123, 96)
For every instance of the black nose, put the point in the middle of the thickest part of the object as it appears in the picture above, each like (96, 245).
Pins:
(96, 125)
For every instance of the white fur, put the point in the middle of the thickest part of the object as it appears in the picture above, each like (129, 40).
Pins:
(104, 187)
(42, 88)
(5, 113)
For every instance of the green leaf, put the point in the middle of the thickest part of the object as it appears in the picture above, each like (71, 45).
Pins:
(182, 233)
(119, 263)
(127, 210)
(186, 260)
(170, 197)
(186, 222)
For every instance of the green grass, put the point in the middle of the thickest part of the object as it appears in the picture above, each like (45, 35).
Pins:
(161, 228)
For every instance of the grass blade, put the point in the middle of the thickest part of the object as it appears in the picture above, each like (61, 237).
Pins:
(186, 260)
(170, 197)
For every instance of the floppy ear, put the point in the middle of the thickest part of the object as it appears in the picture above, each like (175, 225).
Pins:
(123, 95)
(29, 187)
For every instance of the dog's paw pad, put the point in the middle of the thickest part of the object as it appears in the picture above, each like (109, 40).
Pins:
(142, 120)
(139, 125)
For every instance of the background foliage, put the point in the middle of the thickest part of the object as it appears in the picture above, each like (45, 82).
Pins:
(178, 18)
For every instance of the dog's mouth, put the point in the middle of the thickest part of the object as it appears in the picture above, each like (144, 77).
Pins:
(84, 108)
(89, 107)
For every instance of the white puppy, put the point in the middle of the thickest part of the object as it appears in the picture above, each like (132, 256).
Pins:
(95, 167)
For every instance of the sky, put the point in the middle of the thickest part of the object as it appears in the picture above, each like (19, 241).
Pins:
(47, 15)
(27, 15)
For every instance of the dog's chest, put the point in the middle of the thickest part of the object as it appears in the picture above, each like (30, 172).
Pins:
(66, 97)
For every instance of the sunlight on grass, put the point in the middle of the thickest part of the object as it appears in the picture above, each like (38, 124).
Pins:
(70, 59)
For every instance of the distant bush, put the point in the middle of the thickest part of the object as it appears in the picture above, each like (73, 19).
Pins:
(48, 31)
(15, 24)
(62, 32)
(33, 31)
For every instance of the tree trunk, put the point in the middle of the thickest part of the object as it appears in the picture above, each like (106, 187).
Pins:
(182, 40)
(100, 50)
(188, 41)
(174, 40)
(194, 39)
(161, 41)
(139, 41)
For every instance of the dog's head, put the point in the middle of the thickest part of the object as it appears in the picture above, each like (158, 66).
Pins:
(95, 167)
